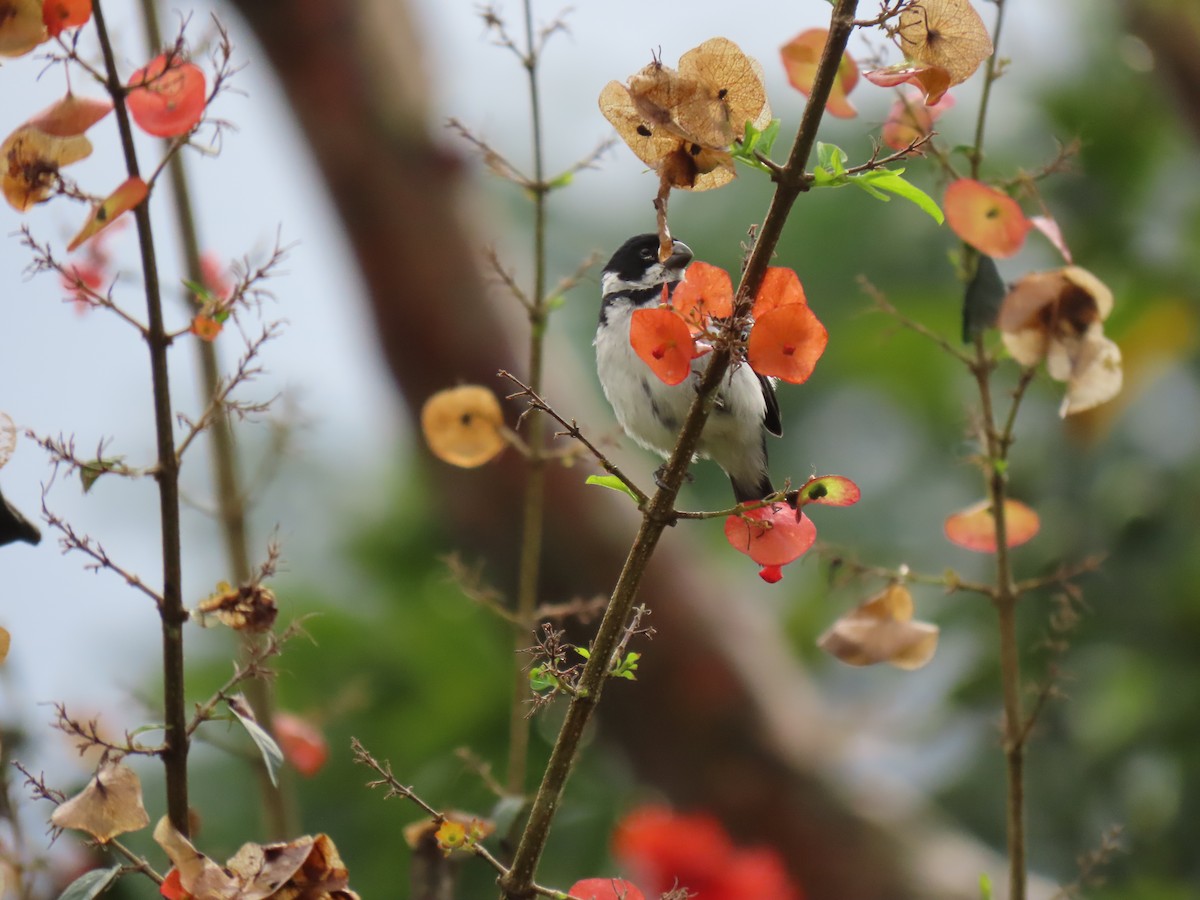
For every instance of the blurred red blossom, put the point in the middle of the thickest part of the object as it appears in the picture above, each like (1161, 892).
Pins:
(663, 848)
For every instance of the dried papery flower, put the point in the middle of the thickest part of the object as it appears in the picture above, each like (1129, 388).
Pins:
(30, 160)
(249, 607)
(717, 90)
(21, 26)
(945, 33)
(684, 164)
(305, 867)
(110, 805)
(462, 425)
(1058, 316)
(882, 629)
(682, 123)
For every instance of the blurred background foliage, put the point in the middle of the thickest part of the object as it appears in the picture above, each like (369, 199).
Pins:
(400, 659)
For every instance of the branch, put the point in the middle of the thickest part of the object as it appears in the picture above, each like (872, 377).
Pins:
(517, 884)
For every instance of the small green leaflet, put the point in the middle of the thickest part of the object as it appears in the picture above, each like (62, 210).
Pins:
(613, 483)
(90, 471)
(91, 884)
(756, 141)
(831, 172)
(985, 887)
(271, 754)
(541, 678)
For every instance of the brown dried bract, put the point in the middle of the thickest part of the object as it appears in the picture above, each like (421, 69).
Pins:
(882, 629)
(717, 90)
(945, 33)
(110, 805)
(682, 163)
(307, 867)
(250, 607)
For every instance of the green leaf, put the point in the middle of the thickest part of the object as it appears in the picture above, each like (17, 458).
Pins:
(90, 471)
(562, 180)
(613, 483)
(832, 158)
(755, 142)
(628, 666)
(892, 181)
(985, 887)
(542, 679)
(91, 884)
(271, 754)
(199, 291)
(584, 652)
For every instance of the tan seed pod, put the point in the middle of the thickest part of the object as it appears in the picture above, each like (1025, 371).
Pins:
(945, 33)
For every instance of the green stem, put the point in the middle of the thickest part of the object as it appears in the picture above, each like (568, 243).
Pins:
(171, 611)
(659, 512)
(1004, 599)
(278, 805)
(529, 565)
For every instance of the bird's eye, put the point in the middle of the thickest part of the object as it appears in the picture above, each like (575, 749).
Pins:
(647, 254)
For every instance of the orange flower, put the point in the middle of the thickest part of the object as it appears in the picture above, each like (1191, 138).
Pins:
(986, 218)
(167, 97)
(974, 528)
(800, 56)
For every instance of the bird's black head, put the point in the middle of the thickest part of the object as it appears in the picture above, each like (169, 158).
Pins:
(635, 266)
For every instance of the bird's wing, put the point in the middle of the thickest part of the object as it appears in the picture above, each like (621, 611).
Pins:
(773, 420)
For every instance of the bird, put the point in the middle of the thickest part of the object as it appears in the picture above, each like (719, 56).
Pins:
(652, 412)
(14, 526)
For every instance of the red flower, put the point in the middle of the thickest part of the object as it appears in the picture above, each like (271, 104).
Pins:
(664, 848)
(605, 889)
(302, 744)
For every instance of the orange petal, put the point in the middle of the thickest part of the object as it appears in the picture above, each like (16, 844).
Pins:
(772, 535)
(987, 219)
(663, 341)
(71, 115)
(800, 57)
(605, 889)
(171, 888)
(206, 328)
(974, 528)
(779, 287)
(786, 343)
(302, 744)
(167, 97)
(705, 292)
(933, 81)
(830, 490)
(60, 14)
(129, 194)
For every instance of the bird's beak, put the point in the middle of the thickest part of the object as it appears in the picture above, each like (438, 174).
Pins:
(681, 255)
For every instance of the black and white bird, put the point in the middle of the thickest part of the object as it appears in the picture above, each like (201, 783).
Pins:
(652, 412)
